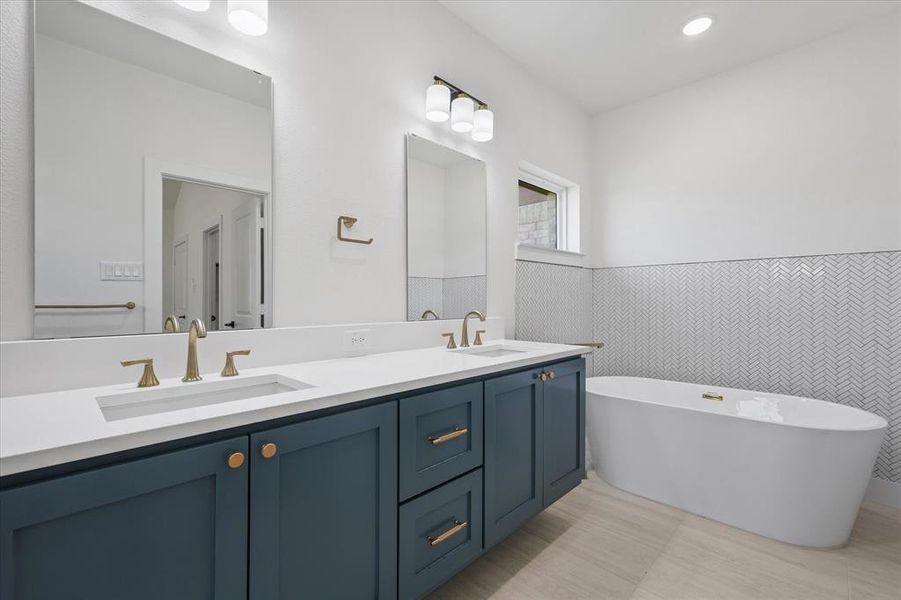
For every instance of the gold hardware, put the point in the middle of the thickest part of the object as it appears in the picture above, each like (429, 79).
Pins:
(450, 435)
(450, 340)
(268, 450)
(457, 528)
(597, 345)
(712, 396)
(171, 324)
(229, 369)
(129, 305)
(192, 371)
(464, 337)
(235, 460)
(148, 378)
(542, 376)
(478, 341)
(349, 222)
(550, 374)
(429, 312)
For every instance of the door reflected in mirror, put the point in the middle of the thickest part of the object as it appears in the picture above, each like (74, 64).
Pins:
(446, 232)
(153, 170)
(212, 265)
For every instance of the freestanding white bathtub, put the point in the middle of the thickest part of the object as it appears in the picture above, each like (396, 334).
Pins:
(789, 468)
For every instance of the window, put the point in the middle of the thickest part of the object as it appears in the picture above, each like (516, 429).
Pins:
(548, 213)
(539, 209)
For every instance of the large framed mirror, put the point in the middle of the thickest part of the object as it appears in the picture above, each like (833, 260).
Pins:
(446, 232)
(153, 171)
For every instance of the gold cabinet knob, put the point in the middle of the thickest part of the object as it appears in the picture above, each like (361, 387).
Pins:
(551, 374)
(235, 460)
(268, 450)
(542, 376)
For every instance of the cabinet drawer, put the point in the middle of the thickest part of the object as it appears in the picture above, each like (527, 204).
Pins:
(440, 437)
(439, 533)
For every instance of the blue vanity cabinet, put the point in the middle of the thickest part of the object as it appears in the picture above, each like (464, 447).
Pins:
(440, 437)
(564, 428)
(170, 526)
(513, 448)
(534, 443)
(323, 507)
(440, 533)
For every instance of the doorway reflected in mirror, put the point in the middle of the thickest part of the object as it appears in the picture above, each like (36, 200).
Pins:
(212, 256)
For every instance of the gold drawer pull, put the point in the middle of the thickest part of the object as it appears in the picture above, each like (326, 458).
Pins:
(457, 528)
(450, 435)
(712, 396)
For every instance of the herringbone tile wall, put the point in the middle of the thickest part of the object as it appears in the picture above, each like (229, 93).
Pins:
(827, 327)
(553, 303)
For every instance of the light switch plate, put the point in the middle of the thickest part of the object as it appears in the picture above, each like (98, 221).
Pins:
(121, 271)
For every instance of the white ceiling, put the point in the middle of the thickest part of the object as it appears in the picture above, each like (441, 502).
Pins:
(607, 53)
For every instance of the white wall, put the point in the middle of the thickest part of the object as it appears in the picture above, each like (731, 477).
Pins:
(427, 189)
(350, 81)
(796, 154)
(96, 120)
(464, 221)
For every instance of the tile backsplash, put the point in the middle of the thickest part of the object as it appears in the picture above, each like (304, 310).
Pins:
(827, 327)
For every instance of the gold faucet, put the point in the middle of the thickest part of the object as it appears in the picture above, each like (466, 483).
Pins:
(148, 378)
(170, 325)
(428, 312)
(197, 330)
(464, 337)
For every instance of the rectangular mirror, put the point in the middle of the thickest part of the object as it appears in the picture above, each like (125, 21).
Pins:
(446, 232)
(153, 171)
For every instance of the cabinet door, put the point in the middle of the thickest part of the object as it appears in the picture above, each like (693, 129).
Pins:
(169, 526)
(513, 445)
(323, 517)
(440, 437)
(564, 429)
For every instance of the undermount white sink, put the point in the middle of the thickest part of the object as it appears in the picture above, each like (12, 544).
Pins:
(489, 351)
(143, 402)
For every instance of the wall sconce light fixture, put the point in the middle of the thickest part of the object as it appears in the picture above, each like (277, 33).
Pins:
(467, 113)
(195, 5)
(247, 16)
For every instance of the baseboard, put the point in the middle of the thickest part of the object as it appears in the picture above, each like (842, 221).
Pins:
(883, 491)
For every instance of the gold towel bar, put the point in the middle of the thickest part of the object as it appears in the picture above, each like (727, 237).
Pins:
(349, 222)
(589, 344)
(128, 305)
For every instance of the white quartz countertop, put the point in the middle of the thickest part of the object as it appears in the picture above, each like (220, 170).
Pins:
(41, 430)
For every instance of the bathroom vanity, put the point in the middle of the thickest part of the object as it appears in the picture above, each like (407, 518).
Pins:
(383, 477)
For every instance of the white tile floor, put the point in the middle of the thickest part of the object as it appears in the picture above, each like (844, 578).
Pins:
(598, 542)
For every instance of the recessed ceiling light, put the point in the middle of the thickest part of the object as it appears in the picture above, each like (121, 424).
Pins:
(697, 26)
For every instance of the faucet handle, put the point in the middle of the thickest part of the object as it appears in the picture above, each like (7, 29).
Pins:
(148, 377)
(450, 340)
(478, 341)
(229, 369)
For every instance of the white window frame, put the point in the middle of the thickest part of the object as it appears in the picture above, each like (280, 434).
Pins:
(568, 213)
